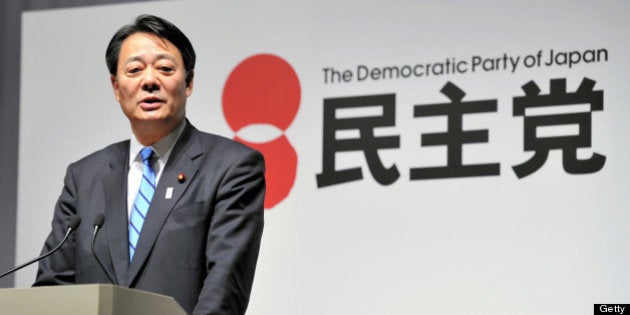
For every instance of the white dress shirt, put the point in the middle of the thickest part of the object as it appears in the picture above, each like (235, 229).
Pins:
(161, 152)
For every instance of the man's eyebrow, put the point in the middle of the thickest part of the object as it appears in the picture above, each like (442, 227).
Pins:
(157, 57)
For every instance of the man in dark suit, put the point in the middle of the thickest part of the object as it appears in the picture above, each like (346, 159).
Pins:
(199, 239)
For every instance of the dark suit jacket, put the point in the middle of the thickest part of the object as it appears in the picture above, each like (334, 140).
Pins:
(199, 246)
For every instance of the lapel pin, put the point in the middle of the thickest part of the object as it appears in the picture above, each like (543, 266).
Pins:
(181, 177)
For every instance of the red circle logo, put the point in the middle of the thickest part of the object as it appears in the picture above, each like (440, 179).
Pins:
(264, 91)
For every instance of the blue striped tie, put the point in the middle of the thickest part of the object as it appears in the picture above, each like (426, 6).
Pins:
(143, 200)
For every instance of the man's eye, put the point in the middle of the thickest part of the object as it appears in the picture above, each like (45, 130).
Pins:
(166, 69)
(134, 70)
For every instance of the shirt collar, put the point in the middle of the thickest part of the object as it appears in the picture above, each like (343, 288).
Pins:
(161, 149)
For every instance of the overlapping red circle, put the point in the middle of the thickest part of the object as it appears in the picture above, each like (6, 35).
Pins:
(264, 89)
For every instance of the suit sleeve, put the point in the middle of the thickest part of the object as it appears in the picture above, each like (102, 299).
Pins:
(234, 237)
(59, 267)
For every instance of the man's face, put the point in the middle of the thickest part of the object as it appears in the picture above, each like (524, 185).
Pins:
(150, 83)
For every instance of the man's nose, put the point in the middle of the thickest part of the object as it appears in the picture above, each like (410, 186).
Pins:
(150, 82)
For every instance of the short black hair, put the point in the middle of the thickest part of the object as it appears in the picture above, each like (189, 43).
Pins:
(153, 25)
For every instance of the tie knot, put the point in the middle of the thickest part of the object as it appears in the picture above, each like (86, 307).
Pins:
(146, 153)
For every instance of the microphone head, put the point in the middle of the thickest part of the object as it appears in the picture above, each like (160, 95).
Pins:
(75, 220)
(99, 219)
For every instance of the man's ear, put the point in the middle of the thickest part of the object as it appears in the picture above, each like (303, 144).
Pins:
(114, 81)
(189, 81)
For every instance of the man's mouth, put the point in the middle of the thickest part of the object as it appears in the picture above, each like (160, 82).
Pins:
(151, 103)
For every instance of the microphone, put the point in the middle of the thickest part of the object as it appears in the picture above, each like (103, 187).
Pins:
(99, 219)
(74, 222)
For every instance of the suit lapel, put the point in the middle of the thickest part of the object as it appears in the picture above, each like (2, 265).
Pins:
(115, 186)
(168, 192)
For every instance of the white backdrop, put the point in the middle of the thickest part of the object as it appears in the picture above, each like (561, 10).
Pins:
(548, 243)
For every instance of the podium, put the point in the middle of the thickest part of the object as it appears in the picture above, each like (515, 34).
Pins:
(87, 299)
